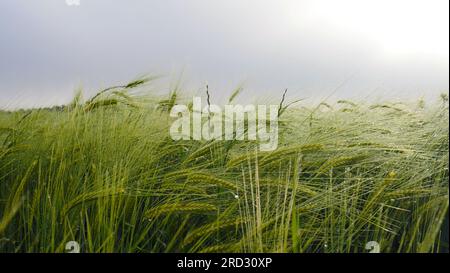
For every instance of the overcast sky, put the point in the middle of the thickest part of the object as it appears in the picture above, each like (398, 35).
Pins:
(397, 48)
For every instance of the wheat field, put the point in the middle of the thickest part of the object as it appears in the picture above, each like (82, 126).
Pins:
(105, 173)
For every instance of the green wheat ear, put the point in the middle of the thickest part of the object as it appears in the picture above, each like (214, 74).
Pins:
(91, 196)
(191, 207)
(221, 248)
(235, 93)
(211, 228)
(199, 177)
(340, 161)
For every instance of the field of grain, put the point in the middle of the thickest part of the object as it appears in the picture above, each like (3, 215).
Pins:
(105, 173)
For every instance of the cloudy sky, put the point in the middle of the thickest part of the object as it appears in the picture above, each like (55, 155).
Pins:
(370, 49)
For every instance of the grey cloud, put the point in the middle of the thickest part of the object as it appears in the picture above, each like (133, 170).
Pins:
(48, 48)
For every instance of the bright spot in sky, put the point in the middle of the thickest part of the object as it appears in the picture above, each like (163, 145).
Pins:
(399, 27)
